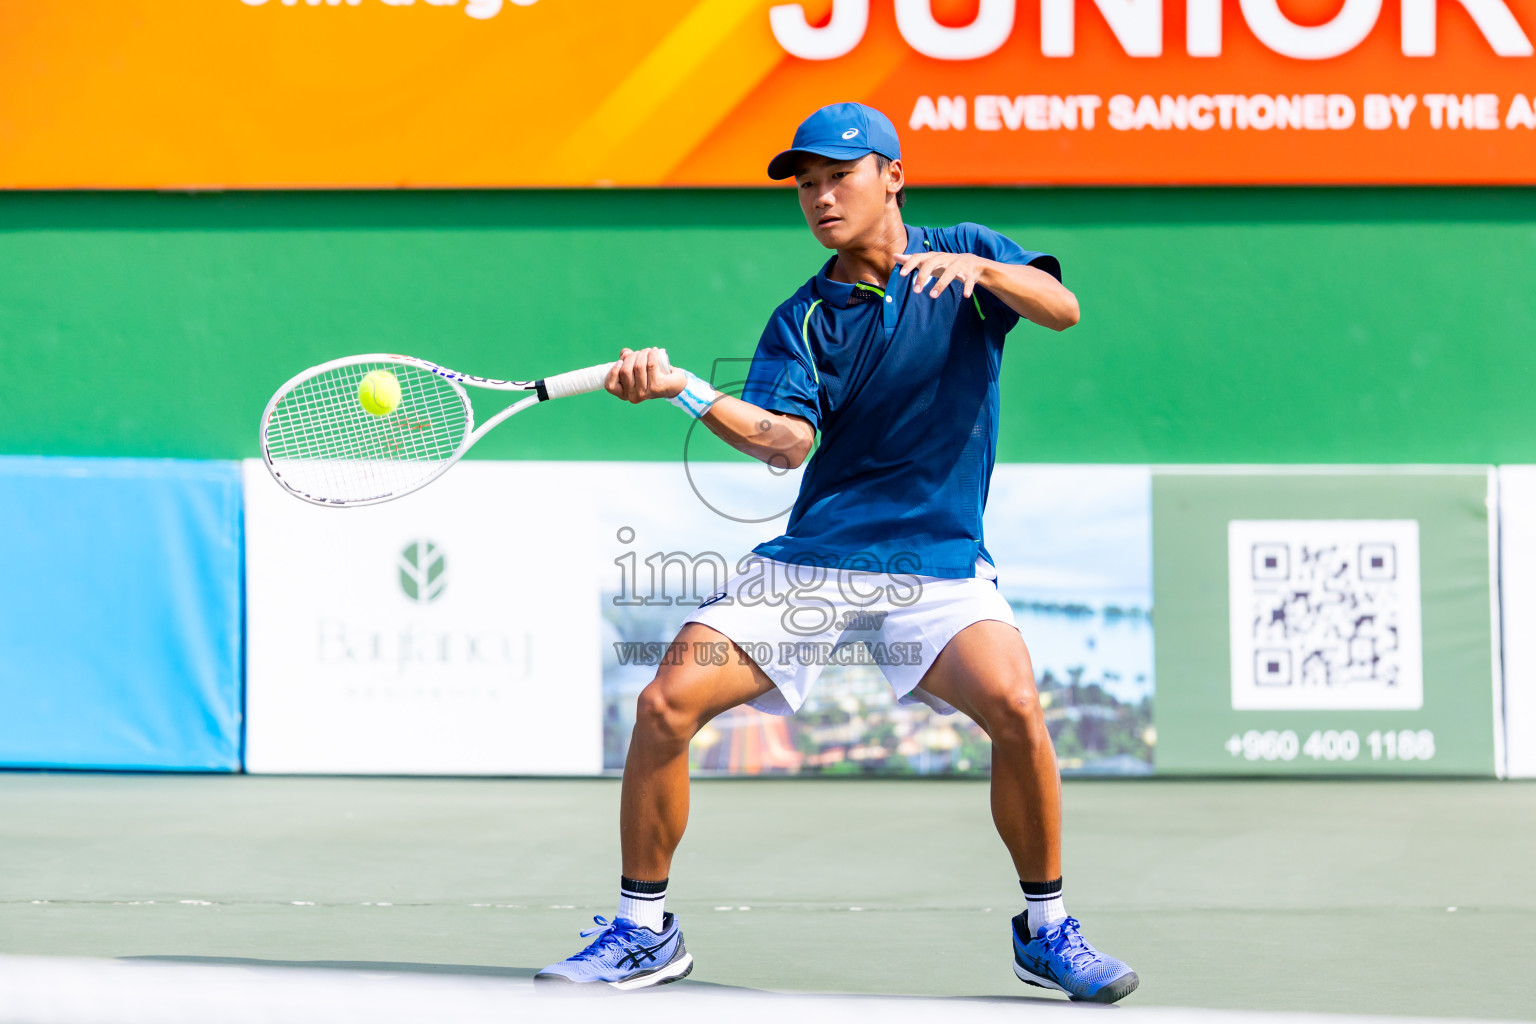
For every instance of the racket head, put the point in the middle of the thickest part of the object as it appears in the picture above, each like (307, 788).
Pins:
(319, 442)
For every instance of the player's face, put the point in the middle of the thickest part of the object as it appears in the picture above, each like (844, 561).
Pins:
(844, 200)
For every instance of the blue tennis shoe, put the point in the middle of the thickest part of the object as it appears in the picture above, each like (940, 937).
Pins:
(624, 955)
(1059, 957)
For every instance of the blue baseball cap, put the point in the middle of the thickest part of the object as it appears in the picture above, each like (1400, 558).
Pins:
(839, 131)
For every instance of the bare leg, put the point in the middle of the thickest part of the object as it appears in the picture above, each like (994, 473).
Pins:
(653, 811)
(985, 671)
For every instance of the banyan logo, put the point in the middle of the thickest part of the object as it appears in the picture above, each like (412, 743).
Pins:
(850, 133)
(422, 568)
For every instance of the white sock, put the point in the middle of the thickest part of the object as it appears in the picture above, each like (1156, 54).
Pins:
(644, 903)
(1044, 904)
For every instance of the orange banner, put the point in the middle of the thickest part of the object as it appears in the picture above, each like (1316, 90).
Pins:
(446, 93)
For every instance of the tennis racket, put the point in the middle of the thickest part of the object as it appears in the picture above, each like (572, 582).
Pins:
(323, 445)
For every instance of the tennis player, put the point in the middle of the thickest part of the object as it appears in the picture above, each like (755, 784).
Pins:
(891, 353)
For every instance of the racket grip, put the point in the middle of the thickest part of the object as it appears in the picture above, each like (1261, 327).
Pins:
(577, 382)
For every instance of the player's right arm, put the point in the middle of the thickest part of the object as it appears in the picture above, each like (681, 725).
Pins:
(776, 438)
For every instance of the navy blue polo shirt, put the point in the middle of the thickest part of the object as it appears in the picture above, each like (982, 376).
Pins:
(903, 389)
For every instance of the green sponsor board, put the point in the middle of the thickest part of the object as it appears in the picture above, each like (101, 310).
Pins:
(162, 323)
(1316, 622)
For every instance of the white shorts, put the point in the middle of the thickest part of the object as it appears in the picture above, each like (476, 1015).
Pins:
(794, 620)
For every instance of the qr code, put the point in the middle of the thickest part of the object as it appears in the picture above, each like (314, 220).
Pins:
(1325, 614)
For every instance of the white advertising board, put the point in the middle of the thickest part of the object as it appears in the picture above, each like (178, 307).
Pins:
(454, 631)
(1517, 584)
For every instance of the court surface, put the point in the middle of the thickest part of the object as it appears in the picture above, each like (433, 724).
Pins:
(1315, 896)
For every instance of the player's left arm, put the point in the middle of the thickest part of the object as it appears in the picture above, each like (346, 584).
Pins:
(1028, 291)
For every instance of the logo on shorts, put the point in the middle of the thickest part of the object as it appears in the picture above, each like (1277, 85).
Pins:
(422, 566)
(850, 133)
(864, 621)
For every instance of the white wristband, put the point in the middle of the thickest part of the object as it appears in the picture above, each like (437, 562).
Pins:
(696, 398)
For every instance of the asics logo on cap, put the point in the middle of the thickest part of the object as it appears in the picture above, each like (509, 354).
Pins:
(836, 131)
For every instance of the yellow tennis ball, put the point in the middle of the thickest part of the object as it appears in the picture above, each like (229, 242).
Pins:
(379, 392)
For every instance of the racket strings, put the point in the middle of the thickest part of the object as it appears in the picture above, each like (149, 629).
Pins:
(324, 444)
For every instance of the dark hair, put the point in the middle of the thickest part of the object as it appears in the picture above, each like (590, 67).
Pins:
(881, 163)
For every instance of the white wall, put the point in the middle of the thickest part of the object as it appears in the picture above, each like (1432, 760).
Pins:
(1517, 558)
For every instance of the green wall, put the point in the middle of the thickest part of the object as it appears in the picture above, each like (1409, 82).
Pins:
(1219, 325)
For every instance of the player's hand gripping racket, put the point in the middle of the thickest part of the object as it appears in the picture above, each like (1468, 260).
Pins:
(366, 429)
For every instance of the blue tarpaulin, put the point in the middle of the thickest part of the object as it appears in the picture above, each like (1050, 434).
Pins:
(120, 614)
